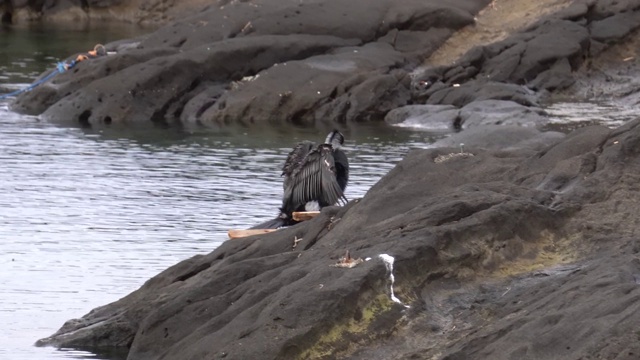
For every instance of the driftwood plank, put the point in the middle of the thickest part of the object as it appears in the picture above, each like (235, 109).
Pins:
(304, 215)
(235, 234)
(297, 216)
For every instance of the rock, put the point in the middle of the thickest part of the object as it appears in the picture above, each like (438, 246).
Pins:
(84, 74)
(345, 62)
(543, 57)
(477, 113)
(366, 70)
(476, 90)
(425, 117)
(498, 254)
(557, 77)
(611, 78)
(342, 86)
(501, 112)
(616, 27)
(537, 142)
(146, 90)
(370, 100)
(521, 59)
(417, 42)
(500, 137)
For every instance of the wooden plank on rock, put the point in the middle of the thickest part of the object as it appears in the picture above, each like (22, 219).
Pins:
(304, 215)
(236, 234)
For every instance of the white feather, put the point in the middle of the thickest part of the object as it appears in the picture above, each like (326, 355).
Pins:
(312, 206)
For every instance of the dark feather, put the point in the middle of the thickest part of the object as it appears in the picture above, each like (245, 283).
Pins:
(296, 156)
(313, 173)
(342, 170)
(271, 224)
(314, 180)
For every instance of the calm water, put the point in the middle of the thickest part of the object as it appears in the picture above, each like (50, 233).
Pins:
(86, 218)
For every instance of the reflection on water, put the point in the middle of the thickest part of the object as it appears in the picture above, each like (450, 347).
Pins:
(28, 51)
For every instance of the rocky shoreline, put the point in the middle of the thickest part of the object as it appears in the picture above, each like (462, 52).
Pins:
(498, 254)
(328, 64)
(248, 63)
(522, 245)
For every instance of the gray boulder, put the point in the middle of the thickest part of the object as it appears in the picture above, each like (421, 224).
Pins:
(501, 112)
(425, 117)
(500, 137)
(476, 113)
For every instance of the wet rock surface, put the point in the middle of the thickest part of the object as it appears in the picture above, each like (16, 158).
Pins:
(498, 254)
(497, 137)
(477, 113)
(428, 117)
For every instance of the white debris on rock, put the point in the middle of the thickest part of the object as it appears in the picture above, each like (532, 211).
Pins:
(388, 263)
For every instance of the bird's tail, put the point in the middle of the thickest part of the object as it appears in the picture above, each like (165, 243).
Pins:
(335, 138)
(278, 222)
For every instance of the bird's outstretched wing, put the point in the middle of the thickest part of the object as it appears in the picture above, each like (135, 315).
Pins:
(342, 169)
(314, 180)
(295, 159)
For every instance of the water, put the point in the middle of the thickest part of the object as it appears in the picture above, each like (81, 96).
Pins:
(87, 217)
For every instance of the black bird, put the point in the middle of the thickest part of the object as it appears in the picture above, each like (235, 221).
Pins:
(315, 176)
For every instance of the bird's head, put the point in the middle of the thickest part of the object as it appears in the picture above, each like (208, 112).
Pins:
(335, 139)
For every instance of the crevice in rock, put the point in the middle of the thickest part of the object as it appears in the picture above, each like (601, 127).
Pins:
(462, 212)
(83, 118)
(158, 117)
(178, 101)
(179, 43)
(298, 118)
(7, 12)
(194, 272)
